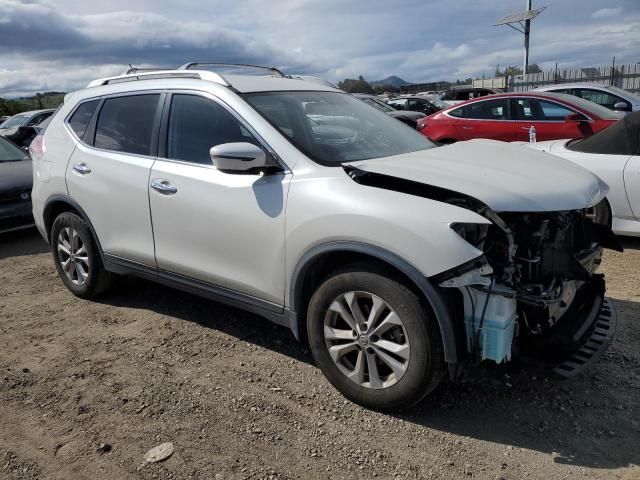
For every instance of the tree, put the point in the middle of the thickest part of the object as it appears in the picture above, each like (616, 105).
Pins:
(351, 85)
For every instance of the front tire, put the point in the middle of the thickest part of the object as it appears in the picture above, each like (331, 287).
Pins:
(76, 257)
(374, 339)
(600, 213)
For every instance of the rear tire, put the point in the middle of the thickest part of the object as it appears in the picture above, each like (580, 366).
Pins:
(77, 258)
(388, 354)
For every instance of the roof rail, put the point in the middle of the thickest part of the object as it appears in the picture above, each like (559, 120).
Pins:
(157, 74)
(197, 65)
(133, 70)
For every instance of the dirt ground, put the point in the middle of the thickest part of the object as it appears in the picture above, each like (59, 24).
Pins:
(86, 388)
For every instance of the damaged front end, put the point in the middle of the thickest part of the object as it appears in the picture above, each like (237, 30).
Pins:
(535, 291)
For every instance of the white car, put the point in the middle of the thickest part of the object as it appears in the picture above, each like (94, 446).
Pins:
(396, 260)
(613, 98)
(614, 155)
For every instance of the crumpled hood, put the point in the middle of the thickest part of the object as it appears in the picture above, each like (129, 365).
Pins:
(15, 175)
(507, 178)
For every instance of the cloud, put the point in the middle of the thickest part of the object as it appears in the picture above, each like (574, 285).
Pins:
(62, 45)
(606, 13)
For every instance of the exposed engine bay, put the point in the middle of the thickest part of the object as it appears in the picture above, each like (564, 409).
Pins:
(535, 290)
(536, 283)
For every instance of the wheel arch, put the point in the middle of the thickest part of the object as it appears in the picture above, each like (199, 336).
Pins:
(57, 204)
(310, 268)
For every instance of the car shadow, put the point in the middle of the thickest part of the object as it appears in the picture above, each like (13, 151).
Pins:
(569, 420)
(22, 242)
(630, 243)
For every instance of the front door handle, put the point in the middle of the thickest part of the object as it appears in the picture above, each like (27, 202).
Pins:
(164, 187)
(464, 127)
(81, 168)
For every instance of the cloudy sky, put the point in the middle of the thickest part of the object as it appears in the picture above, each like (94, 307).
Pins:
(62, 44)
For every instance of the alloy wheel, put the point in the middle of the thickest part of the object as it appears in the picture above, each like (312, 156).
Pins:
(73, 256)
(366, 339)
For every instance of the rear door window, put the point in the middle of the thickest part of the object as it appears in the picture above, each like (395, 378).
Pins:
(82, 116)
(125, 124)
(488, 110)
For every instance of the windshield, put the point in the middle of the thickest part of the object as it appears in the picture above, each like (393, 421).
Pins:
(10, 153)
(333, 128)
(15, 121)
(438, 103)
(622, 92)
(375, 103)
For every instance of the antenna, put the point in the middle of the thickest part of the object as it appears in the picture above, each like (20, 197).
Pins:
(525, 28)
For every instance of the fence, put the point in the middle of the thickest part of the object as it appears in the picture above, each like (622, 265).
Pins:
(626, 77)
(494, 82)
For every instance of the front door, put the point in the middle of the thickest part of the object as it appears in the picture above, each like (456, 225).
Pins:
(108, 172)
(225, 230)
(549, 120)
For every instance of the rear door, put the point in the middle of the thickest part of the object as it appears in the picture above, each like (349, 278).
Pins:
(486, 119)
(225, 230)
(108, 172)
(549, 120)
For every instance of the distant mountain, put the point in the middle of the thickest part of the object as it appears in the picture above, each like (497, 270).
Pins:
(392, 80)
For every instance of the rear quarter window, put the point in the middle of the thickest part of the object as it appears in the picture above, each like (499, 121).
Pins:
(79, 120)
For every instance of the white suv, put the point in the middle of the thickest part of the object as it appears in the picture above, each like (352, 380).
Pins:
(398, 261)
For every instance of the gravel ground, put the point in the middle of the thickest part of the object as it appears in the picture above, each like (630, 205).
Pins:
(87, 388)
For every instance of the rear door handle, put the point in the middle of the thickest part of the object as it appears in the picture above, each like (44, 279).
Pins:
(464, 127)
(81, 168)
(164, 187)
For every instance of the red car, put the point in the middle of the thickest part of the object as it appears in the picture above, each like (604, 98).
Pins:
(509, 116)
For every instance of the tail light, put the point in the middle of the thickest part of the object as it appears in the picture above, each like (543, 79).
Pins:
(36, 148)
(420, 124)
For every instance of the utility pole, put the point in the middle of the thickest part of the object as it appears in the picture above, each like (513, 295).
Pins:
(523, 22)
(527, 32)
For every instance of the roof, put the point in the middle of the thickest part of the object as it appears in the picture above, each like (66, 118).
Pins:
(593, 109)
(35, 112)
(470, 89)
(241, 83)
(249, 83)
(570, 85)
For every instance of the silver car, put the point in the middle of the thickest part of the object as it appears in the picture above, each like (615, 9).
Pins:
(399, 262)
(609, 96)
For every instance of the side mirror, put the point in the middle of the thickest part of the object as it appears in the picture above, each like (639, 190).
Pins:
(622, 106)
(574, 117)
(238, 157)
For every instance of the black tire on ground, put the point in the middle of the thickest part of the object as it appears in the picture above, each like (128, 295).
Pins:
(446, 141)
(98, 279)
(426, 364)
